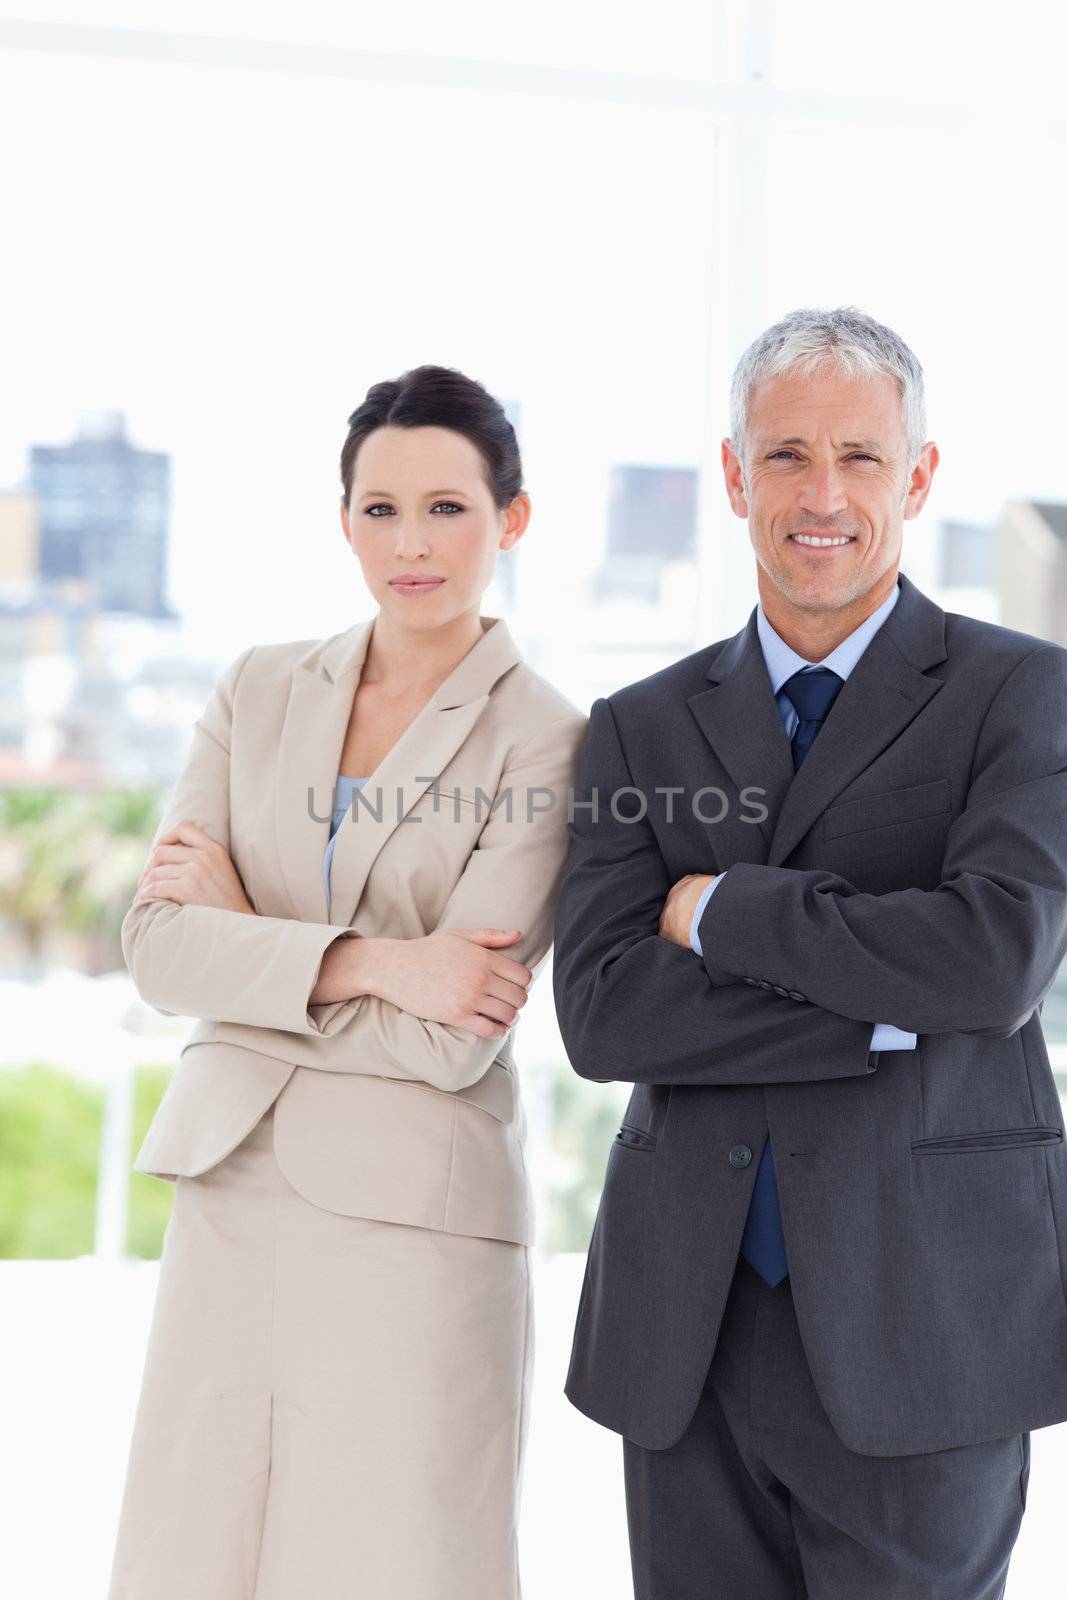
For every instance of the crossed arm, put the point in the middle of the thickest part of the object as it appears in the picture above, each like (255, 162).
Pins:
(260, 972)
(884, 1037)
(975, 955)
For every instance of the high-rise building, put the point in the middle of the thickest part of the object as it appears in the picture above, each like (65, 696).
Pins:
(1031, 568)
(20, 538)
(966, 555)
(651, 523)
(104, 508)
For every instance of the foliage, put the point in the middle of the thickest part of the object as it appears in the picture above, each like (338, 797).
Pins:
(151, 1198)
(69, 863)
(49, 1140)
(586, 1118)
(50, 1126)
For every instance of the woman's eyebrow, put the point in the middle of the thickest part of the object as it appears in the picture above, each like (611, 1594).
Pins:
(386, 494)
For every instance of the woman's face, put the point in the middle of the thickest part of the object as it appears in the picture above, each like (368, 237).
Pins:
(424, 525)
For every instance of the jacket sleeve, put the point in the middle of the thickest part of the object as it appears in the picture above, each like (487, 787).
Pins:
(884, 1036)
(635, 1007)
(978, 953)
(202, 961)
(511, 880)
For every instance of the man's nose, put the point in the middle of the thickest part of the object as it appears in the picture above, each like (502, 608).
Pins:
(823, 491)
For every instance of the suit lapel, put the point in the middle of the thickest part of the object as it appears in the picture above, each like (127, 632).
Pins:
(740, 722)
(739, 719)
(321, 693)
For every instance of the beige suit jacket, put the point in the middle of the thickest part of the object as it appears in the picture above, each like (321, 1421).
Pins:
(379, 1113)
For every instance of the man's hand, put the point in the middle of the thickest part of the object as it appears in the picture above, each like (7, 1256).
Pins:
(676, 917)
(189, 866)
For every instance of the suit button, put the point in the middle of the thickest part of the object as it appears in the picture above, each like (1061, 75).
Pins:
(748, 980)
(779, 990)
(795, 994)
(764, 984)
(740, 1155)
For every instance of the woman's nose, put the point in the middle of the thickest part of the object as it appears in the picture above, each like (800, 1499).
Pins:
(410, 540)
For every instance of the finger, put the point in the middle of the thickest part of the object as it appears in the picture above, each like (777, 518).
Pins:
(482, 1026)
(489, 936)
(499, 1010)
(187, 833)
(171, 852)
(155, 892)
(512, 971)
(176, 833)
(513, 993)
(164, 872)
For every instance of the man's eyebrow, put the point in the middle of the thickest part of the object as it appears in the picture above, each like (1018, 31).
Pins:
(846, 444)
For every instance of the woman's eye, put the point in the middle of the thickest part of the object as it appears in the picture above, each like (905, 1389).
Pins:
(381, 506)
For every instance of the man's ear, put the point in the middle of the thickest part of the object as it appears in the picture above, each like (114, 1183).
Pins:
(921, 478)
(735, 479)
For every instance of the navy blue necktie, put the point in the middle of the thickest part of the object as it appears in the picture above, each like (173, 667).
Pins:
(811, 692)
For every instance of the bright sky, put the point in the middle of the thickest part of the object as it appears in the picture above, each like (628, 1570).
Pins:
(233, 257)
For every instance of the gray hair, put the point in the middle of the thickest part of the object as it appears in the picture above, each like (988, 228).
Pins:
(844, 337)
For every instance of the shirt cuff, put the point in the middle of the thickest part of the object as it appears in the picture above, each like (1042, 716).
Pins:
(886, 1037)
(701, 903)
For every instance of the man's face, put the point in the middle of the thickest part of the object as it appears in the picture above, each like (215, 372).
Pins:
(826, 456)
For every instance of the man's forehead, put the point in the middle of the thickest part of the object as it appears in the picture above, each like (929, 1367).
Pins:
(794, 409)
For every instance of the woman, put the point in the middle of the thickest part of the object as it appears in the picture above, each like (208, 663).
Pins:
(334, 1401)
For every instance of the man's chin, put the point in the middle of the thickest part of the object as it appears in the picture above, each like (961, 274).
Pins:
(817, 591)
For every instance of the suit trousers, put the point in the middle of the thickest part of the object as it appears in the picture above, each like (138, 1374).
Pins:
(332, 1407)
(760, 1500)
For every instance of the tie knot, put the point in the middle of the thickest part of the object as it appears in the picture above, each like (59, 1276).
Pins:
(812, 691)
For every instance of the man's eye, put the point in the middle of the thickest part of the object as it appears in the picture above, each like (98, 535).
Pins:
(777, 455)
(862, 456)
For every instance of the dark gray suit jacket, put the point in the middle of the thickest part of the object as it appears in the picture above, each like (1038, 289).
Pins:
(913, 871)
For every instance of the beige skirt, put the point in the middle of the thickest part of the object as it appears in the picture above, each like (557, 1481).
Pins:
(332, 1407)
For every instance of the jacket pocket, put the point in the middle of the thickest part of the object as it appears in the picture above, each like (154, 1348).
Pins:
(496, 1091)
(635, 1138)
(996, 1139)
(913, 804)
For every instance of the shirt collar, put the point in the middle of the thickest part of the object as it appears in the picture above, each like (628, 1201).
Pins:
(782, 661)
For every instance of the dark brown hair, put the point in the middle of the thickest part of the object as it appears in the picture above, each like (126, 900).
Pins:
(440, 397)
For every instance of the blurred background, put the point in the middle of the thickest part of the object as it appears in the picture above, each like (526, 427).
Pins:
(222, 224)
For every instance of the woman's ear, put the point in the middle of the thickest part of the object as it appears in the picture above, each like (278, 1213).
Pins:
(516, 520)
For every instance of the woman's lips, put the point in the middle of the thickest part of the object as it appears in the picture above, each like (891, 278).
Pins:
(415, 585)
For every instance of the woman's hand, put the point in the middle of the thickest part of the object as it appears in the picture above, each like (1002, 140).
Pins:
(457, 975)
(189, 866)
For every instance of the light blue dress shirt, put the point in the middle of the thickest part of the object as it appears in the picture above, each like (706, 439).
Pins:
(782, 662)
(343, 791)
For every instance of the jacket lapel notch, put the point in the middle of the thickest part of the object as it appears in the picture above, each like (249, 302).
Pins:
(883, 693)
(322, 689)
(740, 721)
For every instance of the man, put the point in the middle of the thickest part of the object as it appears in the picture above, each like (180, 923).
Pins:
(812, 918)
